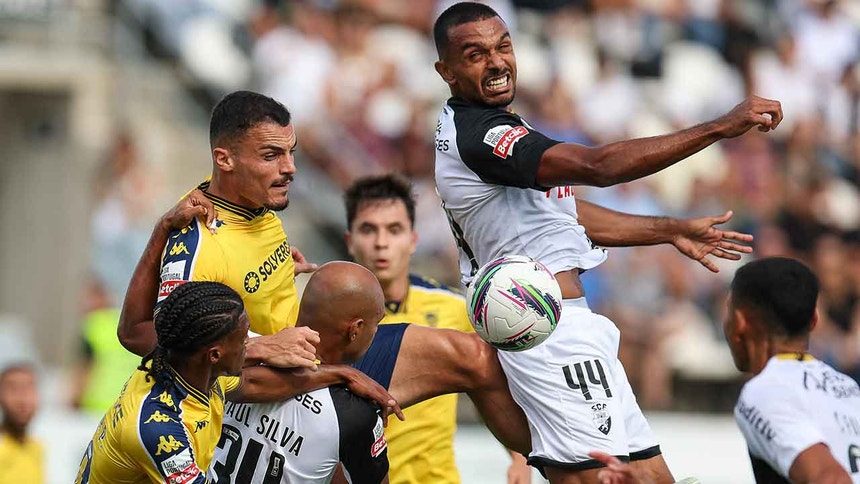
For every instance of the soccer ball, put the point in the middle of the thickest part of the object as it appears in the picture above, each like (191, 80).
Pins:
(514, 303)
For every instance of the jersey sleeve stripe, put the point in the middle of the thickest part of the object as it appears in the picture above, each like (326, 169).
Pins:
(179, 258)
(164, 439)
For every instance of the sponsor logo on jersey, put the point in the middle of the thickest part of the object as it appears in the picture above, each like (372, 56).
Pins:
(172, 275)
(379, 443)
(601, 418)
(502, 138)
(167, 444)
(756, 420)
(180, 468)
(179, 248)
(281, 255)
(158, 417)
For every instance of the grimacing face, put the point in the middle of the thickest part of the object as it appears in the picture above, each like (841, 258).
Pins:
(381, 238)
(734, 338)
(264, 165)
(479, 64)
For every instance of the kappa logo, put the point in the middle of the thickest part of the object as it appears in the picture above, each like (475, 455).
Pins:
(165, 398)
(158, 417)
(168, 444)
(179, 248)
(200, 425)
(601, 418)
(502, 138)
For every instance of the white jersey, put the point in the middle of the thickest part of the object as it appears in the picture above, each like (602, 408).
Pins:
(793, 404)
(486, 169)
(301, 440)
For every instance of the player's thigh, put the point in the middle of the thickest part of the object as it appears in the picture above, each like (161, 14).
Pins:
(557, 475)
(654, 468)
(434, 362)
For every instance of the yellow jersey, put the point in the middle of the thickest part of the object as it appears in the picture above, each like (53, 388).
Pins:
(20, 461)
(157, 432)
(249, 253)
(421, 449)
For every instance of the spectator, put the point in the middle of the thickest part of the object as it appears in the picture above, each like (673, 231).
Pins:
(21, 456)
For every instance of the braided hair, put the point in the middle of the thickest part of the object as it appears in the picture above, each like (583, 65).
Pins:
(194, 315)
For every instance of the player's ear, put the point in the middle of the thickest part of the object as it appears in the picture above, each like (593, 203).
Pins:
(444, 72)
(214, 354)
(347, 239)
(814, 322)
(414, 244)
(223, 159)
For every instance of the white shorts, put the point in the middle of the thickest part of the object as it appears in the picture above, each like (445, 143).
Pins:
(575, 394)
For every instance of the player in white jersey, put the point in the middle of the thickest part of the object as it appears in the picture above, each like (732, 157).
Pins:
(506, 189)
(304, 438)
(799, 416)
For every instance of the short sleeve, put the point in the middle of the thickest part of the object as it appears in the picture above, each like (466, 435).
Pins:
(776, 430)
(184, 260)
(499, 147)
(169, 453)
(363, 448)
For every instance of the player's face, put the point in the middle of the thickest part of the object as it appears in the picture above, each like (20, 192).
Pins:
(381, 238)
(734, 338)
(479, 64)
(19, 397)
(233, 348)
(264, 165)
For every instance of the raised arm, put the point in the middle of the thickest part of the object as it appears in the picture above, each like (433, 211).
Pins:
(572, 164)
(696, 238)
(817, 465)
(136, 331)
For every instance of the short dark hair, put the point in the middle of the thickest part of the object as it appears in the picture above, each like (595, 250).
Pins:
(458, 14)
(782, 292)
(240, 111)
(194, 315)
(375, 188)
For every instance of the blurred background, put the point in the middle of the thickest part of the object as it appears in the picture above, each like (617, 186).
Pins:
(104, 111)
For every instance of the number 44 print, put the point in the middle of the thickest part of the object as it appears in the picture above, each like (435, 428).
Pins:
(576, 379)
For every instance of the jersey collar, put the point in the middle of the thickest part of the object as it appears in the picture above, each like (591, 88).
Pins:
(222, 204)
(794, 356)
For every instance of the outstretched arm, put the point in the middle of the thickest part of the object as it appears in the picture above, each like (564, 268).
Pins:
(696, 238)
(571, 164)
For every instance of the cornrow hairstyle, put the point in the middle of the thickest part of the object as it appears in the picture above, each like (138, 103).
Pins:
(194, 315)
(377, 188)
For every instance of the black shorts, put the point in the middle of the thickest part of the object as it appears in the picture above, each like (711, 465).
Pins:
(378, 362)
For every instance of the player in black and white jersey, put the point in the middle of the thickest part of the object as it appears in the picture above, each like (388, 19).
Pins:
(507, 190)
(304, 438)
(799, 416)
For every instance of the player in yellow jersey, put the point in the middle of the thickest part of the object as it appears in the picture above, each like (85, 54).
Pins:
(252, 141)
(167, 419)
(381, 236)
(21, 456)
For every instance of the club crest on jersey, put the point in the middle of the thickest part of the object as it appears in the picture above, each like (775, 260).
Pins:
(502, 138)
(601, 418)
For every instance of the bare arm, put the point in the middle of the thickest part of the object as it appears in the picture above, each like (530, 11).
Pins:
(696, 238)
(261, 384)
(136, 331)
(571, 164)
(816, 465)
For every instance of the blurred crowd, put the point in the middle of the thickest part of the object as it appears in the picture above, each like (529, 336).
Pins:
(358, 76)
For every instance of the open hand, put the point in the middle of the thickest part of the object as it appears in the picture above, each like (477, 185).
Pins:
(617, 472)
(364, 386)
(754, 111)
(195, 204)
(698, 238)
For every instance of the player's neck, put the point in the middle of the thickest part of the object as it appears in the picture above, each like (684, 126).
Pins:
(17, 433)
(197, 373)
(330, 354)
(222, 188)
(763, 352)
(396, 289)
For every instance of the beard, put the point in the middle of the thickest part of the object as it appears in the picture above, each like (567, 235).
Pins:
(277, 207)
